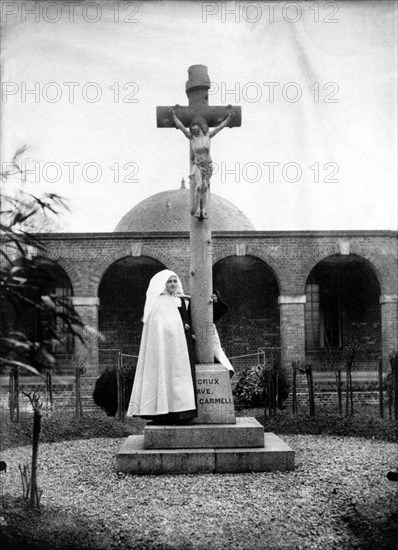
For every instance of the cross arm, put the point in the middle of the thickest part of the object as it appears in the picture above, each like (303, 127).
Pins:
(214, 115)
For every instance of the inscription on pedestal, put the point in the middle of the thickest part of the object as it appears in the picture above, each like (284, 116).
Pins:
(214, 395)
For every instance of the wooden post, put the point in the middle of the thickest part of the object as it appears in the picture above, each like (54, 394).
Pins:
(390, 396)
(34, 489)
(79, 369)
(37, 405)
(351, 395)
(351, 352)
(49, 387)
(338, 384)
(395, 382)
(77, 391)
(17, 393)
(269, 393)
(13, 393)
(294, 396)
(311, 401)
(265, 392)
(276, 376)
(122, 379)
(311, 391)
(272, 394)
(120, 411)
(381, 392)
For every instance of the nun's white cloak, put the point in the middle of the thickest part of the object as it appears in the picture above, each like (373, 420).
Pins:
(219, 353)
(163, 381)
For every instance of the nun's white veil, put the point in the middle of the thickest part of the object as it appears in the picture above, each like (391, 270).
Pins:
(157, 286)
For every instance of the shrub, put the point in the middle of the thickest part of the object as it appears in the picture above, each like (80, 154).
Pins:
(105, 391)
(251, 389)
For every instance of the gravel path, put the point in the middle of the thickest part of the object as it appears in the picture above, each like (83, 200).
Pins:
(337, 497)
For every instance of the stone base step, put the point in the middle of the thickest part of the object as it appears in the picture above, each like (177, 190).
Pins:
(132, 458)
(247, 432)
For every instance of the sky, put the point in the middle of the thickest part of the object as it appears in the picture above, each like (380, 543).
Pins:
(316, 82)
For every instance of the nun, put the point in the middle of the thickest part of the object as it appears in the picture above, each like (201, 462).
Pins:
(164, 383)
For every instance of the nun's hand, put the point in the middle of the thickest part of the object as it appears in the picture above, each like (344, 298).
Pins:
(187, 327)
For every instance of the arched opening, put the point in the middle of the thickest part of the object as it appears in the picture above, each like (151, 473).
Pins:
(122, 298)
(250, 289)
(342, 307)
(45, 277)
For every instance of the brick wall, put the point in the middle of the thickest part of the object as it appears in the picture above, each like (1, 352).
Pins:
(281, 263)
(251, 292)
(290, 255)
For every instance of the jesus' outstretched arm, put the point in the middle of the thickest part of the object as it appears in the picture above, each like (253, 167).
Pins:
(223, 124)
(179, 124)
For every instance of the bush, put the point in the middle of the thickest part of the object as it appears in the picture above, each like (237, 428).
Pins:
(105, 391)
(251, 389)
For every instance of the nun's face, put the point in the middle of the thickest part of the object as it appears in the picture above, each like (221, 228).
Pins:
(171, 285)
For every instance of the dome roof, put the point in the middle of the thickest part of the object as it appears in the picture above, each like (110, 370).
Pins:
(169, 211)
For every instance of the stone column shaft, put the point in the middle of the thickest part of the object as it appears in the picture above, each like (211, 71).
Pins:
(87, 308)
(389, 325)
(201, 282)
(292, 329)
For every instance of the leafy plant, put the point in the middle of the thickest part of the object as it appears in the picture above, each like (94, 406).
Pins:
(250, 389)
(21, 278)
(350, 354)
(392, 383)
(22, 292)
(261, 384)
(33, 493)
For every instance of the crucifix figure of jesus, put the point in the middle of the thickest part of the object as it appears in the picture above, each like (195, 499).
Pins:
(202, 168)
(194, 121)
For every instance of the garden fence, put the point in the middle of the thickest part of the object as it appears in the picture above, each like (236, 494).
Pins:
(72, 394)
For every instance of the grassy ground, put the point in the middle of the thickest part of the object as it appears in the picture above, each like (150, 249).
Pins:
(337, 496)
(365, 422)
(60, 427)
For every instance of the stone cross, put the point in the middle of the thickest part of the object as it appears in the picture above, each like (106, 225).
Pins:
(201, 287)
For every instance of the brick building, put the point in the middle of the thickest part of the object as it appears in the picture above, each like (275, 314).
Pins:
(301, 292)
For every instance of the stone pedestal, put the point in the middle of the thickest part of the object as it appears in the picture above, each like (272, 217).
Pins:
(134, 458)
(214, 395)
(246, 432)
(215, 442)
